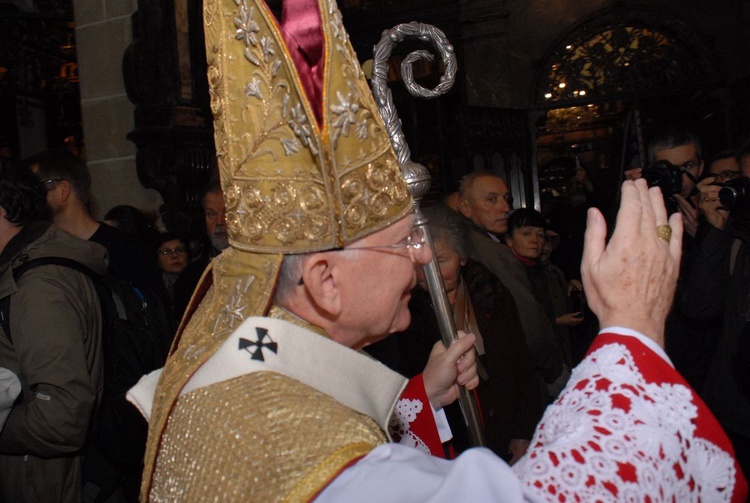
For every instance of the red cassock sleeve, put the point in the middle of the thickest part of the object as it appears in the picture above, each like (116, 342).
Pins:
(413, 422)
(628, 425)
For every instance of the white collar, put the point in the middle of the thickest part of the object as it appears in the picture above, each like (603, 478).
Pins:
(352, 378)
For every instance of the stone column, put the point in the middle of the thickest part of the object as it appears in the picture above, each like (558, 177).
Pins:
(484, 58)
(103, 32)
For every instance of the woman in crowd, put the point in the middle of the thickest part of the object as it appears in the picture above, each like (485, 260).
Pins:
(172, 254)
(509, 393)
(526, 236)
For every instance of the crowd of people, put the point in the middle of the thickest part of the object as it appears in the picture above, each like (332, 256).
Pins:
(306, 360)
(59, 344)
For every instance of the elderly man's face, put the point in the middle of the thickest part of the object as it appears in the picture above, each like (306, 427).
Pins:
(216, 223)
(686, 157)
(378, 285)
(487, 204)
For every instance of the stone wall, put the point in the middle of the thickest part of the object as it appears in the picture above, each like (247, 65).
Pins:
(103, 32)
(504, 42)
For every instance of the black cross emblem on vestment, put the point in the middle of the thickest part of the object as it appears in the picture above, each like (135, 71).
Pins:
(255, 348)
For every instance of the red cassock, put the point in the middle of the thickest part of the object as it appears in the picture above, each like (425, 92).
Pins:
(627, 427)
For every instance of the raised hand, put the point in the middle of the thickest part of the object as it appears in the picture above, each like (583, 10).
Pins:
(630, 281)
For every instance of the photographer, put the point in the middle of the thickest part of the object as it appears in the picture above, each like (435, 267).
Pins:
(719, 287)
(676, 164)
(724, 166)
(691, 331)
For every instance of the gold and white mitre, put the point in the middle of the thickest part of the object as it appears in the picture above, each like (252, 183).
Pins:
(293, 183)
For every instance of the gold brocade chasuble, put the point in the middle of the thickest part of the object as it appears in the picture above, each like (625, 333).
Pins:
(292, 184)
(234, 428)
(274, 415)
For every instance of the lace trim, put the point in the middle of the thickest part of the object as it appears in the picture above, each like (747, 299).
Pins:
(636, 442)
(406, 412)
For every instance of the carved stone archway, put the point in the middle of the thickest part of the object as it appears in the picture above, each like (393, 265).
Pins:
(606, 73)
(625, 53)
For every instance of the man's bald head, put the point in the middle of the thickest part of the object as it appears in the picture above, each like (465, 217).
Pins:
(484, 198)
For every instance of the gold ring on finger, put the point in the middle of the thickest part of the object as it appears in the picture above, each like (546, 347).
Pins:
(664, 232)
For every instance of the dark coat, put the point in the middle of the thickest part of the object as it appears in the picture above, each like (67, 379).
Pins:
(548, 356)
(511, 399)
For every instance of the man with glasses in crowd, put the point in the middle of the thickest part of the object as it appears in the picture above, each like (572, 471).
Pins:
(51, 338)
(682, 148)
(68, 183)
(214, 215)
(718, 290)
(689, 339)
(724, 166)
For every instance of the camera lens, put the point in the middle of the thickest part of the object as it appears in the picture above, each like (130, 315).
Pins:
(728, 196)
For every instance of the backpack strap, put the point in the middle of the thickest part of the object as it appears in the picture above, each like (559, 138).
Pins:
(62, 261)
(4, 316)
(30, 264)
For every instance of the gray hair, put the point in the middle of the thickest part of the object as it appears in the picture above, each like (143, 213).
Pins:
(290, 274)
(672, 137)
(213, 188)
(466, 185)
(448, 226)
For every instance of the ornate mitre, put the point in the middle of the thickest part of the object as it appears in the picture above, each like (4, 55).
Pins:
(294, 183)
(305, 164)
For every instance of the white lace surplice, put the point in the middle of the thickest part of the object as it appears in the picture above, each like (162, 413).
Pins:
(613, 435)
(406, 413)
(626, 428)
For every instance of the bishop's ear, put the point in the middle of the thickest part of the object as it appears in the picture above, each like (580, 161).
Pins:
(321, 279)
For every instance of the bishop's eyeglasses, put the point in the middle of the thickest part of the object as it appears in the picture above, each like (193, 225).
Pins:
(414, 241)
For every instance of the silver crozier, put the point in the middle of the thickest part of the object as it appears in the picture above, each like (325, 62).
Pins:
(417, 177)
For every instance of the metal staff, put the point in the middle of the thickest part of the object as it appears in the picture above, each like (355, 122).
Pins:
(417, 177)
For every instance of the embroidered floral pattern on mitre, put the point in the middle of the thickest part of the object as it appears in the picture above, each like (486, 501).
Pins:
(637, 440)
(356, 109)
(272, 91)
(270, 147)
(406, 412)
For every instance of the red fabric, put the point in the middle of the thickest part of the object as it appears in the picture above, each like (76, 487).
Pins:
(424, 425)
(529, 262)
(475, 394)
(655, 369)
(302, 29)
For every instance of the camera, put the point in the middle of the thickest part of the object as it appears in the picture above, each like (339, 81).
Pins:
(668, 178)
(733, 195)
(734, 191)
